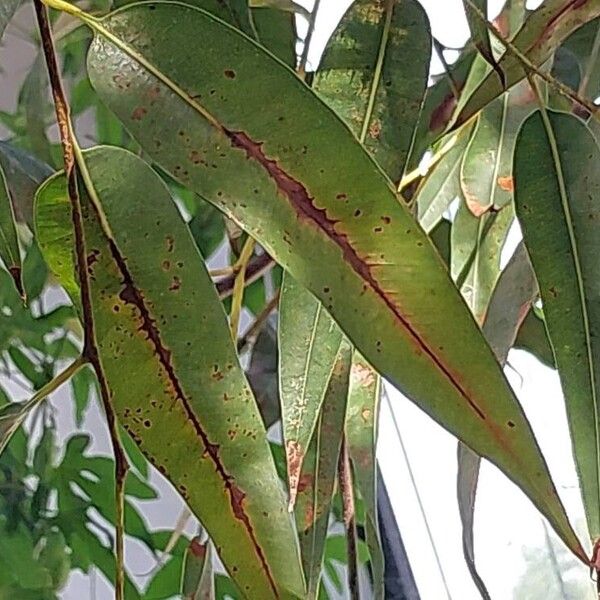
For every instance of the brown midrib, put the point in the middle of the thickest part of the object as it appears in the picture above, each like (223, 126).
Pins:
(303, 203)
(163, 355)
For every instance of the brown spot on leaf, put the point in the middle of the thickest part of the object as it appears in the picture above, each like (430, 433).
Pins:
(375, 129)
(139, 113)
(441, 115)
(506, 183)
(196, 548)
(229, 73)
(175, 284)
(305, 207)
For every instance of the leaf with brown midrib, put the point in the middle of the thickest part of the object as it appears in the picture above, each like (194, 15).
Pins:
(297, 180)
(173, 372)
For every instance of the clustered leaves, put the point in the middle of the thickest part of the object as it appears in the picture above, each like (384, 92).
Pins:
(388, 204)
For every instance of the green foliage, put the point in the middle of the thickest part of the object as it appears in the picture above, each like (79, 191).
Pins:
(205, 137)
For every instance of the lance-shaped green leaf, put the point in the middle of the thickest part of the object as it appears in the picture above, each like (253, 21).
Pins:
(9, 242)
(185, 402)
(557, 204)
(198, 581)
(479, 32)
(467, 479)
(486, 170)
(442, 184)
(545, 29)
(317, 480)
(374, 75)
(309, 342)
(276, 30)
(297, 180)
(361, 437)
(439, 105)
(7, 11)
(533, 338)
(579, 54)
(482, 269)
(372, 42)
(508, 305)
(24, 173)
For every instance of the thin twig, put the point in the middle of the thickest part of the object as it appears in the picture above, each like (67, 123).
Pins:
(256, 268)
(349, 516)
(71, 152)
(239, 286)
(529, 66)
(439, 50)
(256, 327)
(307, 40)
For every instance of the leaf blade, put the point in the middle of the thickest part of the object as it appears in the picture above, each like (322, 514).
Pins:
(251, 154)
(358, 76)
(309, 342)
(566, 287)
(140, 307)
(545, 29)
(10, 253)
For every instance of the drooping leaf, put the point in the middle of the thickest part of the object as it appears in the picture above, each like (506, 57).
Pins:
(24, 173)
(309, 342)
(533, 338)
(336, 226)
(442, 184)
(508, 305)
(9, 242)
(486, 170)
(556, 198)
(576, 57)
(7, 10)
(187, 404)
(544, 30)
(466, 488)
(482, 269)
(361, 437)
(317, 479)
(276, 31)
(438, 107)
(374, 75)
(198, 581)
(479, 32)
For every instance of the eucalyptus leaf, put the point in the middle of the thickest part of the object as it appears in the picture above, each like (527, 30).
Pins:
(309, 342)
(9, 242)
(317, 479)
(374, 74)
(188, 396)
(542, 33)
(361, 436)
(336, 226)
(556, 199)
